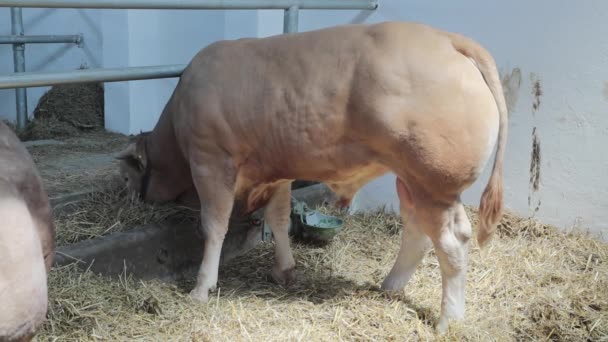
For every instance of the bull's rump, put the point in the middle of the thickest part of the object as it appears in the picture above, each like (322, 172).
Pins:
(23, 285)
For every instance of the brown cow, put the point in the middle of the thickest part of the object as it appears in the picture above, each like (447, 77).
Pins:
(27, 241)
(343, 106)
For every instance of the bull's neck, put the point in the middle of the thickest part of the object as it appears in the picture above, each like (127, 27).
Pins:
(165, 156)
(162, 138)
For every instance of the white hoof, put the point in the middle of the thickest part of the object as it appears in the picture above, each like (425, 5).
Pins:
(442, 326)
(199, 295)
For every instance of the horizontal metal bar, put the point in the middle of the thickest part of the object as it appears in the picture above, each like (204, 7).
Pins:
(194, 4)
(38, 79)
(15, 39)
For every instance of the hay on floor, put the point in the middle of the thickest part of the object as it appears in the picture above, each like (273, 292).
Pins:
(531, 283)
(66, 110)
(112, 210)
(70, 166)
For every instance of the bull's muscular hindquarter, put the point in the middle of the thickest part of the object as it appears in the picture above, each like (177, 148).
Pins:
(23, 286)
(27, 241)
(343, 106)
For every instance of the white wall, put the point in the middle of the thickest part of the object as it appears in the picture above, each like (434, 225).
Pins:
(49, 57)
(563, 45)
(559, 43)
(145, 38)
(152, 37)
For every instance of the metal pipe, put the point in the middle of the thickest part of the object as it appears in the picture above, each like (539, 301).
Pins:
(195, 4)
(19, 66)
(290, 20)
(37, 79)
(15, 39)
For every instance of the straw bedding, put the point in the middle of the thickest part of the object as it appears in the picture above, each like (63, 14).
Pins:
(111, 210)
(71, 166)
(532, 283)
(66, 110)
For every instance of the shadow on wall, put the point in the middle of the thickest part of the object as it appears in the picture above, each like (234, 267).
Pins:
(58, 51)
(361, 17)
(511, 83)
(32, 21)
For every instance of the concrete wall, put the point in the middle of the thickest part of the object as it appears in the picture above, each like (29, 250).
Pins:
(49, 57)
(150, 37)
(558, 47)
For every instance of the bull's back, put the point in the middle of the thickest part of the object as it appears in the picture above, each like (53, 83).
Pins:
(279, 99)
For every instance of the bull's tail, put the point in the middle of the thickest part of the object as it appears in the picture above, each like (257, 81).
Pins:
(490, 206)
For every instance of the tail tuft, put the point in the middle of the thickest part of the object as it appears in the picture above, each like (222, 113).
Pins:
(490, 210)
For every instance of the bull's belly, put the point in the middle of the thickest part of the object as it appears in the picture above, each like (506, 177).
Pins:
(344, 178)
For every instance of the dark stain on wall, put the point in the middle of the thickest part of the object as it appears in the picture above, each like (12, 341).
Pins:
(537, 92)
(535, 159)
(510, 86)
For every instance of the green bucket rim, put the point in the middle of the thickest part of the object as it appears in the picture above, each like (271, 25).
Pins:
(326, 223)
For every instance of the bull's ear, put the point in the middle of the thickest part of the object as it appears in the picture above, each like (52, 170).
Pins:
(135, 153)
(130, 156)
(127, 153)
(140, 153)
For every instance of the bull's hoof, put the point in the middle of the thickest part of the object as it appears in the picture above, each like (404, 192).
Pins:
(442, 326)
(199, 295)
(285, 277)
(392, 284)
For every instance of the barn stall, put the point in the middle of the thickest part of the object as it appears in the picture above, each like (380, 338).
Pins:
(534, 282)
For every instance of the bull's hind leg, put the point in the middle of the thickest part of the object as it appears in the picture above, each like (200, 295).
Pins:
(215, 189)
(414, 244)
(449, 230)
(276, 215)
(452, 249)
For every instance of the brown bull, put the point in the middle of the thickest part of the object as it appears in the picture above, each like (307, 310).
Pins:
(342, 106)
(27, 241)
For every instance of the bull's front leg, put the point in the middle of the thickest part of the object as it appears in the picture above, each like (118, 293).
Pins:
(215, 189)
(276, 215)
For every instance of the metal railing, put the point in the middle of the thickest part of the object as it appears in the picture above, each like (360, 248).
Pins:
(39, 79)
(21, 79)
(18, 40)
(43, 39)
(194, 4)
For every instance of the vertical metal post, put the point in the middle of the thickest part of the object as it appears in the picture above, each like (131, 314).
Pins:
(290, 19)
(19, 66)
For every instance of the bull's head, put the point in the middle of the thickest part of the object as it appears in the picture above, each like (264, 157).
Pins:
(134, 166)
(141, 178)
